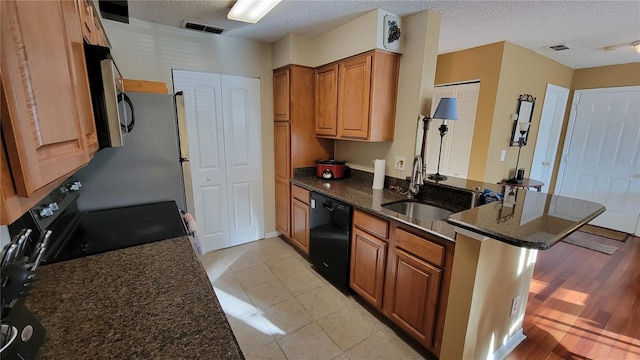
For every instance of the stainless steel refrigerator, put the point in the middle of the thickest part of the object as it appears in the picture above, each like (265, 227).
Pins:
(147, 168)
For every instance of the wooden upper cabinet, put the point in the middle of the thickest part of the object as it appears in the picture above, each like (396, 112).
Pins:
(80, 79)
(326, 82)
(92, 29)
(45, 136)
(354, 97)
(281, 95)
(366, 92)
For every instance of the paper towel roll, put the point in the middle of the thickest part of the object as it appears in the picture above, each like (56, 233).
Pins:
(378, 173)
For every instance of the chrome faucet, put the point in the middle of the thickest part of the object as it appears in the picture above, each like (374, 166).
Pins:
(416, 175)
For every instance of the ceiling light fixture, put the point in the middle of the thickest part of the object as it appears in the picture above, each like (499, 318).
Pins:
(636, 44)
(251, 11)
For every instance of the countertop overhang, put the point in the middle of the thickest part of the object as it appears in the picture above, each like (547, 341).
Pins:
(533, 220)
(151, 301)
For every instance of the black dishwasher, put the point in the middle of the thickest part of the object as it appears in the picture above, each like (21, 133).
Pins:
(330, 238)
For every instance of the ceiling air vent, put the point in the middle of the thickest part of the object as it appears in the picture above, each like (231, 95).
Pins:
(201, 27)
(559, 47)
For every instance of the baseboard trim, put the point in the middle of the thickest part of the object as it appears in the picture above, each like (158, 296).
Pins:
(509, 346)
(271, 234)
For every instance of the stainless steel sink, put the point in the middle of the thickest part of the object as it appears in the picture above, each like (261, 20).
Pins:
(417, 210)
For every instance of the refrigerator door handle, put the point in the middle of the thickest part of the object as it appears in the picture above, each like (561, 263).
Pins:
(181, 117)
(182, 125)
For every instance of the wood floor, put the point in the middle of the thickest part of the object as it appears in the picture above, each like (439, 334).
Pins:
(584, 304)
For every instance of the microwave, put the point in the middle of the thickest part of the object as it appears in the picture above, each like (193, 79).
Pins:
(112, 108)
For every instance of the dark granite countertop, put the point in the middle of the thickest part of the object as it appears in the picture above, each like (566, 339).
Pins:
(537, 220)
(152, 301)
(528, 219)
(357, 192)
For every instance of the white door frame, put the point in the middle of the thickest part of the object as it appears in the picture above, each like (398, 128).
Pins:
(569, 134)
(551, 119)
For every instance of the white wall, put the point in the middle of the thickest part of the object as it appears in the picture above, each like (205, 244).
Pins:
(148, 51)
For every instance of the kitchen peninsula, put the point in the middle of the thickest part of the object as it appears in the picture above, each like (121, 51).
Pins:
(151, 301)
(483, 290)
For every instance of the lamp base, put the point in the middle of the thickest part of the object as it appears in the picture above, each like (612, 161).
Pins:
(437, 176)
(514, 181)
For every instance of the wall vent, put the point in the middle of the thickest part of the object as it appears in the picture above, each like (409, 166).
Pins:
(558, 47)
(201, 27)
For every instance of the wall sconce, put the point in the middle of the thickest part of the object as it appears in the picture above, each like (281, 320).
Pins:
(523, 114)
(636, 45)
(523, 128)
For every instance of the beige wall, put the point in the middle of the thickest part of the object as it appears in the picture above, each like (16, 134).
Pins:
(505, 71)
(486, 276)
(523, 72)
(481, 63)
(149, 51)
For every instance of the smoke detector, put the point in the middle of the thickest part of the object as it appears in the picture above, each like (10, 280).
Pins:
(192, 25)
(559, 47)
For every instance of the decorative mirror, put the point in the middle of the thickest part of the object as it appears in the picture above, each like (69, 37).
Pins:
(523, 114)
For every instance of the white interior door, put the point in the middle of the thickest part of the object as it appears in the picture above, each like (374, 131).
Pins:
(600, 156)
(456, 144)
(553, 108)
(241, 109)
(223, 126)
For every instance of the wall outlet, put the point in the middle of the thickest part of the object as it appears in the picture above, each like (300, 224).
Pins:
(514, 305)
(503, 154)
(399, 163)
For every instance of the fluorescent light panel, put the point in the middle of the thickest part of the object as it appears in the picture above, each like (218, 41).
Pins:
(251, 11)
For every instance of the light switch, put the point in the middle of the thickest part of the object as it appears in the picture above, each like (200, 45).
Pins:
(503, 154)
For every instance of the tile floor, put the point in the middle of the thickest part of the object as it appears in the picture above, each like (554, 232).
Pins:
(280, 308)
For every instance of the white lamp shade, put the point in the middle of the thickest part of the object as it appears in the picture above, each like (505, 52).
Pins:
(447, 109)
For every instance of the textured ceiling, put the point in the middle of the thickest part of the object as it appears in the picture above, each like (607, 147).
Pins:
(585, 26)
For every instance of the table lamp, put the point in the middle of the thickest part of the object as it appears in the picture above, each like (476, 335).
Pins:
(447, 110)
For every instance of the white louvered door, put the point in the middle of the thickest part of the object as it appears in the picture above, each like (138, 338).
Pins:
(223, 126)
(456, 144)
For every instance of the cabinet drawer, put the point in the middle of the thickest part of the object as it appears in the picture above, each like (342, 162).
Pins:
(300, 194)
(420, 247)
(371, 224)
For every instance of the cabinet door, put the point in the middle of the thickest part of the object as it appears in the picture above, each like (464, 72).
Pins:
(281, 95)
(354, 97)
(413, 290)
(72, 17)
(300, 225)
(326, 80)
(368, 256)
(44, 134)
(282, 174)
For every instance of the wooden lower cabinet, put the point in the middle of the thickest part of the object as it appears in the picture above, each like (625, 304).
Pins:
(283, 207)
(300, 218)
(368, 260)
(404, 273)
(414, 287)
